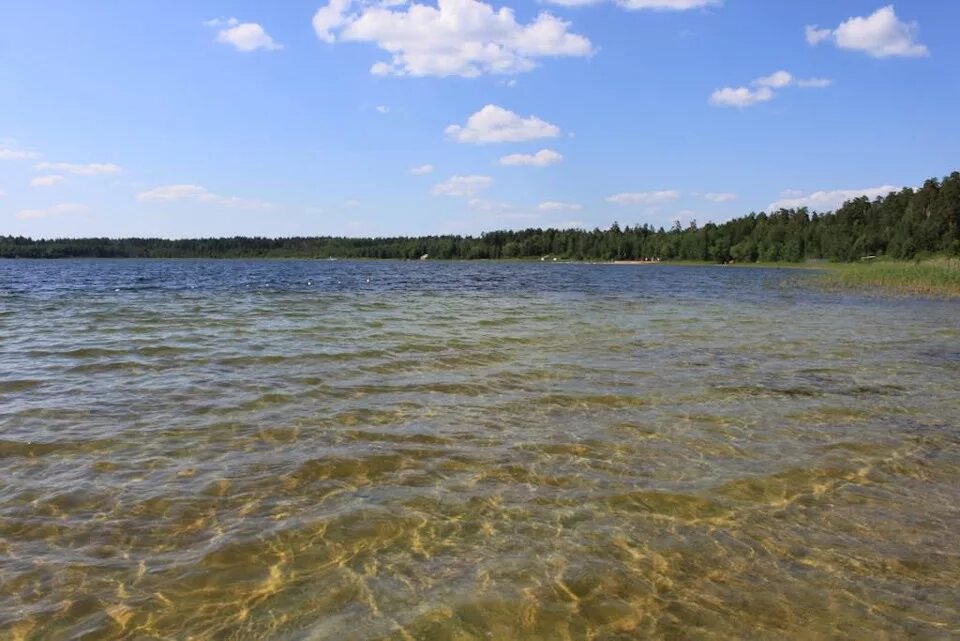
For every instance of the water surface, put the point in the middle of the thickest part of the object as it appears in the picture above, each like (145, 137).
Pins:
(357, 451)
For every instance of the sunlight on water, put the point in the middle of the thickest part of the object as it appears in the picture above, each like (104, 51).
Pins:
(312, 450)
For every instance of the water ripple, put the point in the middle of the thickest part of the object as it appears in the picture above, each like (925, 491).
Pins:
(359, 451)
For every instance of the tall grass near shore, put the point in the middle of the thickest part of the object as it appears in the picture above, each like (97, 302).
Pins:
(931, 277)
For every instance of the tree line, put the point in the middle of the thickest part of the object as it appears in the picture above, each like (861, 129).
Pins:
(902, 225)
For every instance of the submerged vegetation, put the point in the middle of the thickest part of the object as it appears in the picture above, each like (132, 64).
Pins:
(906, 225)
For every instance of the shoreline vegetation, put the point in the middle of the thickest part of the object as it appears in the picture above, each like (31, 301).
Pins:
(936, 277)
(907, 241)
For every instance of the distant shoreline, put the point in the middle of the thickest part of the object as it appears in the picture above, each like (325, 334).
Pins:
(903, 225)
(362, 259)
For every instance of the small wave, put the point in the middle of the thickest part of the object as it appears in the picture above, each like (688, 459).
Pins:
(682, 507)
(111, 366)
(356, 471)
(21, 385)
(80, 353)
(33, 449)
(561, 401)
(291, 359)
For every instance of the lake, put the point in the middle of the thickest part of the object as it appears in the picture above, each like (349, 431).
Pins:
(458, 451)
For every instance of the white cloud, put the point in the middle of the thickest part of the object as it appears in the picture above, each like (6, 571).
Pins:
(56, 210)
(243, 36)
(91, 169)
(720, 197)
(668, 5)
(574, 3)
(482, 204)
(383, 109)
(46, 181)
(638, 5)
(815, 35)
(353, 202)
(455, 38)
(420, 170)
(826, 200)
(173, 193)
(881, 35)
(467, 186)
(782, 79)
(329, 18)
(644, 197)
(745, 96)
(542, 158)
(6, 153)
(553, 205)
(776, 80)
(218, 23)
(740, 96)
(496, 124)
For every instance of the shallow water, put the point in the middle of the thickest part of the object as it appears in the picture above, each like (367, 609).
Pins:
(354, 451)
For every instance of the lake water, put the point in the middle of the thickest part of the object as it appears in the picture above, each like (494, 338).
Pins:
(459, 451)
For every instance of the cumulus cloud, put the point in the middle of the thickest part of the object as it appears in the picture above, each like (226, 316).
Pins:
(554, 205)
(243, 36)
(383, 109)
(420, 170)
(464, 186)
(56, 210)
(720, 197)
(46, 181)
(91, 169)
(881, 35)
(496, 124)
(826, 200)
(762, 90)
(654, 5)
(329, 18)
(740, 96)
(644, 197)
(196, 193)
(7, 153)
(815, 35)
(776, 80)
(465, 38)
(542, 158)
(668, 5)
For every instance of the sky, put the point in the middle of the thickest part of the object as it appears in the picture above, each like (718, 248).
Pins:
(392, 117)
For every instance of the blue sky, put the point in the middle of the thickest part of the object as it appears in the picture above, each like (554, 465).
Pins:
(301, 117)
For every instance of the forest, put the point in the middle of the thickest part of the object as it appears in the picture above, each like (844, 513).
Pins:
(904, 225)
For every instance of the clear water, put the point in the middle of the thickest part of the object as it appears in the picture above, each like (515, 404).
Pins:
(354, 451)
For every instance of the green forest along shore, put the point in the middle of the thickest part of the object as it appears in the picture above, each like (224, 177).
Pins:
(921, 226)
